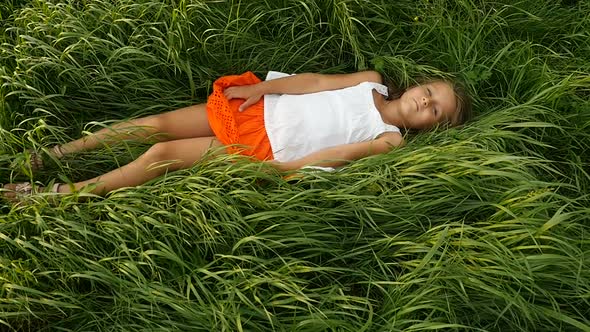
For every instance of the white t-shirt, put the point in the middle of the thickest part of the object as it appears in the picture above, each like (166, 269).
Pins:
(298, 125)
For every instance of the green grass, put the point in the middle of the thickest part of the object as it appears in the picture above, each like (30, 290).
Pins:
(480, 228)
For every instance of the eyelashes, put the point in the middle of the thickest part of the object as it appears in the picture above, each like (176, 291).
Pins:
(434, 110)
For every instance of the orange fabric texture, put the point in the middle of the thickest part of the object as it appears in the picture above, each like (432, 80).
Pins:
(234, 127)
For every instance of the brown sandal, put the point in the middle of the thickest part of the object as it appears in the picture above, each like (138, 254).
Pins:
(19, 192)
(37, 158)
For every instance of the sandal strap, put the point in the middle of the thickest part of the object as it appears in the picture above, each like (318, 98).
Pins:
(57, 151)
(22, 191)
(55, 188)
(24, 188)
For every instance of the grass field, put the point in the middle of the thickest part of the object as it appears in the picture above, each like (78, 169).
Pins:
(480, 228)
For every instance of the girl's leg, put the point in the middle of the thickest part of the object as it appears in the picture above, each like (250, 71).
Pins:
(161, 157)
(183, 123)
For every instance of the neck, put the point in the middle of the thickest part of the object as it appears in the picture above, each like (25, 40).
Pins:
(389, 110)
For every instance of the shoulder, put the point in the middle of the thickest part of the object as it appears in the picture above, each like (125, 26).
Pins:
(373, 76)
(365, 76)
(391, 138)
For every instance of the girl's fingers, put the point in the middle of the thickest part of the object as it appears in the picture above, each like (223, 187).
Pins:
(241, 93)
(228, 92)
(245, 104)
(232, 92)
(249, 102)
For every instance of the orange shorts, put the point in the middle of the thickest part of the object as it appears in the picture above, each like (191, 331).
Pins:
(234, 127)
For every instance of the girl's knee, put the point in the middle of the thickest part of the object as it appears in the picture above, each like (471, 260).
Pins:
(154, 122)
(160, 157)
(157, 152)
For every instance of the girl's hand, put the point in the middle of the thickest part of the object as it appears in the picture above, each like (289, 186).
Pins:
(285, 167)
(250, 93)
(280, 166)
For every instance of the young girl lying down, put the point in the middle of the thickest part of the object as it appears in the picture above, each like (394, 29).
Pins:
(288, 121)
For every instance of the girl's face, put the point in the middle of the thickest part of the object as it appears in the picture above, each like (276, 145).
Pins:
(424, 106)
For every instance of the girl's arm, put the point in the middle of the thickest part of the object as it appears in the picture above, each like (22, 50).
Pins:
(341, 155)
(299, 84)
(312, 82)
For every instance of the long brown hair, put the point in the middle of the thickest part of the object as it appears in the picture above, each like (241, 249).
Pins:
(463, 113)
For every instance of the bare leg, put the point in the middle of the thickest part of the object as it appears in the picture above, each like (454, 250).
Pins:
(183, 123)
(161, 157)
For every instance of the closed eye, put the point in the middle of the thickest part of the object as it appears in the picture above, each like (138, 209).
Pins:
(434, 110)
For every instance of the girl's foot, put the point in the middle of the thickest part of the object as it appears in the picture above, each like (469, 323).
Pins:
(37, 157)
(19, 192)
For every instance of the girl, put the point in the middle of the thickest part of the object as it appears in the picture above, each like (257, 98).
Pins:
(289, 121)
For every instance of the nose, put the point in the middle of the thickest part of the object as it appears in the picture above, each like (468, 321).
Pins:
(425, 101)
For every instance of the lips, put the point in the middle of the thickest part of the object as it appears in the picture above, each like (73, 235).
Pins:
(416, 104)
